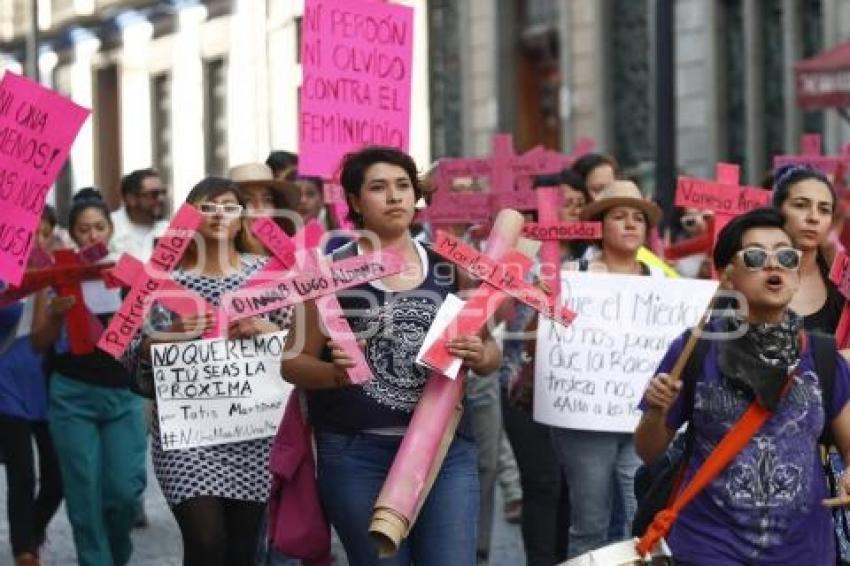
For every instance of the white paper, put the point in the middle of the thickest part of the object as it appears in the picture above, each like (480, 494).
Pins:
(99, 299)
(219, 391)
(450, 308)
(592, 375)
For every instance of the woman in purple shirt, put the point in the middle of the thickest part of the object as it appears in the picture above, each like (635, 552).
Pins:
(765, 506)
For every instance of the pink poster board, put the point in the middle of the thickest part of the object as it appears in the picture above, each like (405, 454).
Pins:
(356, 59)
(37, 128)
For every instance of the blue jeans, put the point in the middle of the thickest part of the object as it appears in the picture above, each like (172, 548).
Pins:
(589, 460)
(351, 472)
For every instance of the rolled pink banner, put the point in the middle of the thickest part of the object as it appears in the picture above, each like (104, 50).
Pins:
(430, 431)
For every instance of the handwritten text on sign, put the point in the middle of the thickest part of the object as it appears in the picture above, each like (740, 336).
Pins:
(37, 128)
(219, 391)
(356, 59)
(721, 198)
(592, 374)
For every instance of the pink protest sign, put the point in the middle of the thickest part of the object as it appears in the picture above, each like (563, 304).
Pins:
(37, 128)
(166, 255)
(356, 59)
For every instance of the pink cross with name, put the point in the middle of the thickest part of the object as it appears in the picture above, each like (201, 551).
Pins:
(185, 302)
(317, 281)
(725, 197)
(167, 253)
(551, 231)
(503, 276)
(510, 181)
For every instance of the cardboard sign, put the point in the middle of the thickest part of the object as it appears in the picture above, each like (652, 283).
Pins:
(37, 128)
(592, 374)
(218, 391)
(166, 255)
(310, 284)
(356, 59)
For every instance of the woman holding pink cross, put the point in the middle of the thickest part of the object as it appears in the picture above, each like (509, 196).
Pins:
(216, 492)
(359, 429)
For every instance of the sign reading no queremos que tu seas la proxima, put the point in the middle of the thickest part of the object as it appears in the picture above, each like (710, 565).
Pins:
(592, 375)
(219, 391)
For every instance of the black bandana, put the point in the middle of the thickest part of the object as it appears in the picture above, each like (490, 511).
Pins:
(759, 361)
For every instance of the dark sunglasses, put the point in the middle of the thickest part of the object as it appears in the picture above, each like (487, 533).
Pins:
(755, 259)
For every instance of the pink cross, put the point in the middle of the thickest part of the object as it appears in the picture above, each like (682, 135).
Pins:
(503, 276)
(725, 197)
(314, 281)
(840, 275)
(811, 154)
(551, 231)
(510, 181)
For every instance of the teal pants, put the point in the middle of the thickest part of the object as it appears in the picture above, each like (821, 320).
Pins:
(100, 440)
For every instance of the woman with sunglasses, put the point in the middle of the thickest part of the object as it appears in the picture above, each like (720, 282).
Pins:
(807, 200)
(96, 422)
(217, 493)
(765, 506)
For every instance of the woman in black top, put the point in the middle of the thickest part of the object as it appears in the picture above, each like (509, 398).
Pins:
(358, 428)
(807, 200)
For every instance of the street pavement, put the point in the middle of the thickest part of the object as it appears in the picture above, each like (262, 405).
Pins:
(159, 543)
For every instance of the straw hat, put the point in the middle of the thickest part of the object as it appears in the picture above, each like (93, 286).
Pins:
(621, 193)
(254, 174)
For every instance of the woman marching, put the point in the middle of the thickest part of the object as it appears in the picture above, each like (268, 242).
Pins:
(358, 429)
(96, 422)
(807, 201)
(589, 458)
(217, 493)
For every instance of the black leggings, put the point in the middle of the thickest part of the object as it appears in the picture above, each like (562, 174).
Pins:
(29, 513)
(218, 531)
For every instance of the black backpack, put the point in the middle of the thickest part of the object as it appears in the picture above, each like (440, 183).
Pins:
(654, 482)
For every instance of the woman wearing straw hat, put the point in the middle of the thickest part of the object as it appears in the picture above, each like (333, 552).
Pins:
(266, 195)
(590, 458)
